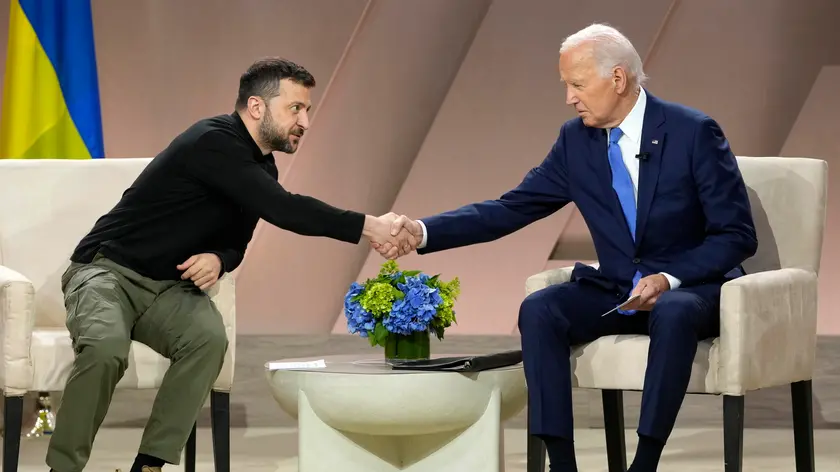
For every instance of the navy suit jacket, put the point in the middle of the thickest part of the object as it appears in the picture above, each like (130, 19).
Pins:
(693, 220)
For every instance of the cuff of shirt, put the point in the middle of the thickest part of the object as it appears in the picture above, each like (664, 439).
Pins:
(425, 234)
(675, 282)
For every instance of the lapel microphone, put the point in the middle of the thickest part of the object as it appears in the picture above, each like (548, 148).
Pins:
(643, 156)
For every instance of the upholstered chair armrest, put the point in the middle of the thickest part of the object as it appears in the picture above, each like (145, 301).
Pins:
(17, 320)
(768, 330)
(223, 294)
(549, 277)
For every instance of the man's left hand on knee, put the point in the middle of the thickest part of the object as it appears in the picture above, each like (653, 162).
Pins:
(649, 289)
(202, 269)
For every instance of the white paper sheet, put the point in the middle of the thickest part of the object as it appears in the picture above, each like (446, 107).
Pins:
(622, 306)
(319, 364)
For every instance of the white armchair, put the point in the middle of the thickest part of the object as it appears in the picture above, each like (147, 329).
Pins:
(46, 207)
(768, 319)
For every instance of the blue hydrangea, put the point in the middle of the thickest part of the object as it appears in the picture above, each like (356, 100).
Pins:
(358, 320)
(416, 310)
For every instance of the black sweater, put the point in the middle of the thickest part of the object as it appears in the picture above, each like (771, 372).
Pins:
(205, 193)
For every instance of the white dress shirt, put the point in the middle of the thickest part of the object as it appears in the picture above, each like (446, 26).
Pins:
(630, 144)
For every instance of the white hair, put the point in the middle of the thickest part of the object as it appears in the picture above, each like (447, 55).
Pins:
(610, 48)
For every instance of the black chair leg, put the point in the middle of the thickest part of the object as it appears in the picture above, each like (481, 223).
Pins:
(12, 424)
(189, 460)
(733, 433)
(220, 423)
(535, 456)
(803, 425)
(613, 403)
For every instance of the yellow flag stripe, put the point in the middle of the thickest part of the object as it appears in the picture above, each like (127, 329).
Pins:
(35, 121)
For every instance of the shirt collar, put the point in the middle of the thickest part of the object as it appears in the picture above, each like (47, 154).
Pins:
(632, 124)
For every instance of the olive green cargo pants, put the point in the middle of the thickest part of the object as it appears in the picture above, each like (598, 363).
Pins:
(108, 306)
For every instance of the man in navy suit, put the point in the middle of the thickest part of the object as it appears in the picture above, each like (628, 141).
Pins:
(668, 212)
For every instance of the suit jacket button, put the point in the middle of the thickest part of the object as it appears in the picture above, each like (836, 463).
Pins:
(636, 260)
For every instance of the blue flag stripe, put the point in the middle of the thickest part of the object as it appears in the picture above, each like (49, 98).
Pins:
(65, 30)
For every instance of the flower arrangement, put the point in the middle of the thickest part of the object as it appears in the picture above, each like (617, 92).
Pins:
(399, 309)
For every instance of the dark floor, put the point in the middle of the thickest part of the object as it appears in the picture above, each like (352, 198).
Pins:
(252, 405)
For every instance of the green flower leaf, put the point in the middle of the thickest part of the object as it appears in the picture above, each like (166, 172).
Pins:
(380, 333)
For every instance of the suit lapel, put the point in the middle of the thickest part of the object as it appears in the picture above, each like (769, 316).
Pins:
(601, 166)
(653, 142)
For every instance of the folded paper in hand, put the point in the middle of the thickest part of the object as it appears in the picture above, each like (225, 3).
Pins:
(623, 305)
(461, 364)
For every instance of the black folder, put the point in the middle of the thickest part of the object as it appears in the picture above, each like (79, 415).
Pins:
(461, 364)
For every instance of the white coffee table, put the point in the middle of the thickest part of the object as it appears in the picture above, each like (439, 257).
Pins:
(356, 414)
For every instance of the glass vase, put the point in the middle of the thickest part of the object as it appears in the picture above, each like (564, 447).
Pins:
(407, 347)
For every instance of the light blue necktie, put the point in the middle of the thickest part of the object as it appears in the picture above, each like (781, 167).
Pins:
(623, 186)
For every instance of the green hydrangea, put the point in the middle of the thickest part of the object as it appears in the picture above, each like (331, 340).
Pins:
(449, 292)
(379, 298)
(388, 269)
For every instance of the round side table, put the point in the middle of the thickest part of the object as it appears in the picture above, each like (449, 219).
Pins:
(357, 414)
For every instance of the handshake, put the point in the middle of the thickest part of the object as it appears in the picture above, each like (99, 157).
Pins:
(392, 235)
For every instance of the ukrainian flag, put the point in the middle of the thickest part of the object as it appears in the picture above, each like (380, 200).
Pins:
(51, 91)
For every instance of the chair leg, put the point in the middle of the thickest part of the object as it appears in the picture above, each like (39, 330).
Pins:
(535, 456)
(220, 423)
(12, 424)
(613, 403)
(733, 433)
(803, 425)
(189, 460)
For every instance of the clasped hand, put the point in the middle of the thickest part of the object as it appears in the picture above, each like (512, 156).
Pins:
(203, 269)
(394, 236)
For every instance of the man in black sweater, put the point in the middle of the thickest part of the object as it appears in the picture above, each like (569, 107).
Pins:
(141, 272)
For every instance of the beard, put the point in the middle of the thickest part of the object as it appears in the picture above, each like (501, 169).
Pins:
(277, 139)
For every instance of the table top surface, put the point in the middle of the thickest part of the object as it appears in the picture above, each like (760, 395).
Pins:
(373, 364)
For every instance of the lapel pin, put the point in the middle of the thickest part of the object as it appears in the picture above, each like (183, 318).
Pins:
(655, 141)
